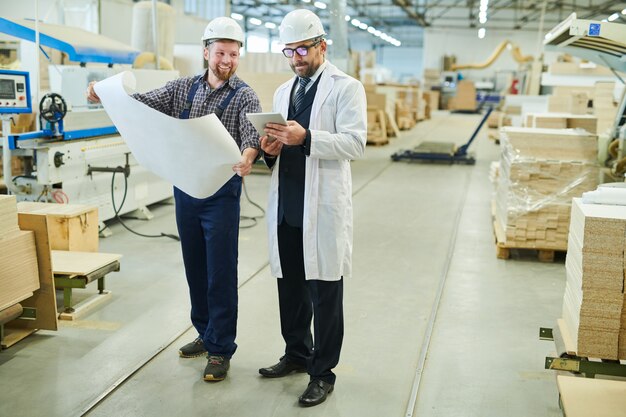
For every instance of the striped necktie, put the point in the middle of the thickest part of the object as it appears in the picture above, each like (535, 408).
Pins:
(300, 93)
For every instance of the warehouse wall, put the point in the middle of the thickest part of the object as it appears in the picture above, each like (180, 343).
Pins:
(467, 48)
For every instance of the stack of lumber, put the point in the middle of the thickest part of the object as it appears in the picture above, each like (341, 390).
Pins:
(379, 103)
(541, 170)
(432, 78)
(465, 98)
(19, 275)
(593, 305)
(604, 108)
(563, 121)
(376, 127)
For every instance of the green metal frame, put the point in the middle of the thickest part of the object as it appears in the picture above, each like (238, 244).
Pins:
(578, 364)
(69, 282)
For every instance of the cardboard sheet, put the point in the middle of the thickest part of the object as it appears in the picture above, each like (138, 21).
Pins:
(196, 155)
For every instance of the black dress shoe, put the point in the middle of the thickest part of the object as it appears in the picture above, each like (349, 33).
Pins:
(283, 368)
(315, 393)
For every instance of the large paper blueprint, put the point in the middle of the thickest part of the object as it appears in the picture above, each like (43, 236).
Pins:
(196, 155)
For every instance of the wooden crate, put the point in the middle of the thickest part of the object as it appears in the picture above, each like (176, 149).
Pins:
(19, 275)
(72, 227)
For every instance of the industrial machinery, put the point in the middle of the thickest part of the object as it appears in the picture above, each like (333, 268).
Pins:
(74, 156)
(443, 151)
(603, 43)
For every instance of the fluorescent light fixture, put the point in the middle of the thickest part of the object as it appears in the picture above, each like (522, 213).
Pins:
(604, 20)
(347, 18)
(270, 25)
(306, 1)
(255, 21)
(482, 20)
(481, 33)
(482, 15)
(624, 11)
(236, 16)
(363, 26)
(377, 33)
(483, 8)
(613, 17)
(329, 41)
(371, 29)
(355, 22)
(319, 5)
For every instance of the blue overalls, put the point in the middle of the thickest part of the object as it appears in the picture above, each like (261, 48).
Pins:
(209, 237)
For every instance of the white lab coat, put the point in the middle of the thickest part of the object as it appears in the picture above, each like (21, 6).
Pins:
(338, 134)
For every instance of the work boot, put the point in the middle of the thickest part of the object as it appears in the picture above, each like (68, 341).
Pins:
(216, 368)
(192, 349)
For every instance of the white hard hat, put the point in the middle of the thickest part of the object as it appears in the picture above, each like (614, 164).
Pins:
(223, 28)
(300, 25)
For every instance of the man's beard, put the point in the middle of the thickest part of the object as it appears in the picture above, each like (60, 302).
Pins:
(221, 74)
(309, 71)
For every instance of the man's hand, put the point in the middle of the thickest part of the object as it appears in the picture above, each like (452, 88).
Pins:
(271, 147)
(244, 167)
(290, 134)
(91, 93)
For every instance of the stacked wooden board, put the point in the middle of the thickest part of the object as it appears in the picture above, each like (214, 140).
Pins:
(593, 305)
(19, 275)
(541, 170)
(563, 121)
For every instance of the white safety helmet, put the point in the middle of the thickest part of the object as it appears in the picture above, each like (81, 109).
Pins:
(300, 25)
(223, 28)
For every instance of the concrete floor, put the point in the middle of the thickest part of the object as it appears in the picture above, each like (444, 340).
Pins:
(416, 226)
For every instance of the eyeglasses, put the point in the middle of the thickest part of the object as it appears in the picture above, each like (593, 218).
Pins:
(300, 50)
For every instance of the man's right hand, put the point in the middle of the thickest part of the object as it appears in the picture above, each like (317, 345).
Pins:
(271, 147)
(91, 93)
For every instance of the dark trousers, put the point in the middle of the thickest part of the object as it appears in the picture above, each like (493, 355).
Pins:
(300, 301)
(209, 235)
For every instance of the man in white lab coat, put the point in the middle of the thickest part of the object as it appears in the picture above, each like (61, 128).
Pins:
(310, 202)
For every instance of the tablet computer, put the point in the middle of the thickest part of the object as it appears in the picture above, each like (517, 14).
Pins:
(259, 120)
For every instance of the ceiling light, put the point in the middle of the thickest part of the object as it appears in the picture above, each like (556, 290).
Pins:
(347, 18)
(604, 20)
(482, 20)
(255, 21)
(481, 33)
(306, 1)
(363, 26)
(329, 41)
(624, 11)
(236, 16)
(270, 25)
(482, 15)
(377, 33)
(355, 22)
(319, 5)
(371, 29)
(483, 8)
(613, 17)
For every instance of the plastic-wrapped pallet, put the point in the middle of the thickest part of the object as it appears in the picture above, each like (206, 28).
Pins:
(541, 170)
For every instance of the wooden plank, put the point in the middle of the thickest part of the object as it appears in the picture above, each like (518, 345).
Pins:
(584, 397)
(19, 276)
(12, 336)
(84, 307)
(44, 299)
(80, 263)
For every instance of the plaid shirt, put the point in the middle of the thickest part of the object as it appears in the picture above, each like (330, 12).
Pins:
(171, 100)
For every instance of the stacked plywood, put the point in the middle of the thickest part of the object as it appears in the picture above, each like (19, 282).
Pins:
(562, 121)
(465, 98)
(604, 108)
(541, 170)
(594, 292)
(575, 102)
(19, 275)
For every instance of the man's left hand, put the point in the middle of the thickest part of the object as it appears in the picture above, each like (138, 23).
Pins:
(290, 134)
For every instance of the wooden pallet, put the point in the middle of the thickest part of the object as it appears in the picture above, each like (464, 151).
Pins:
(503, 250)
